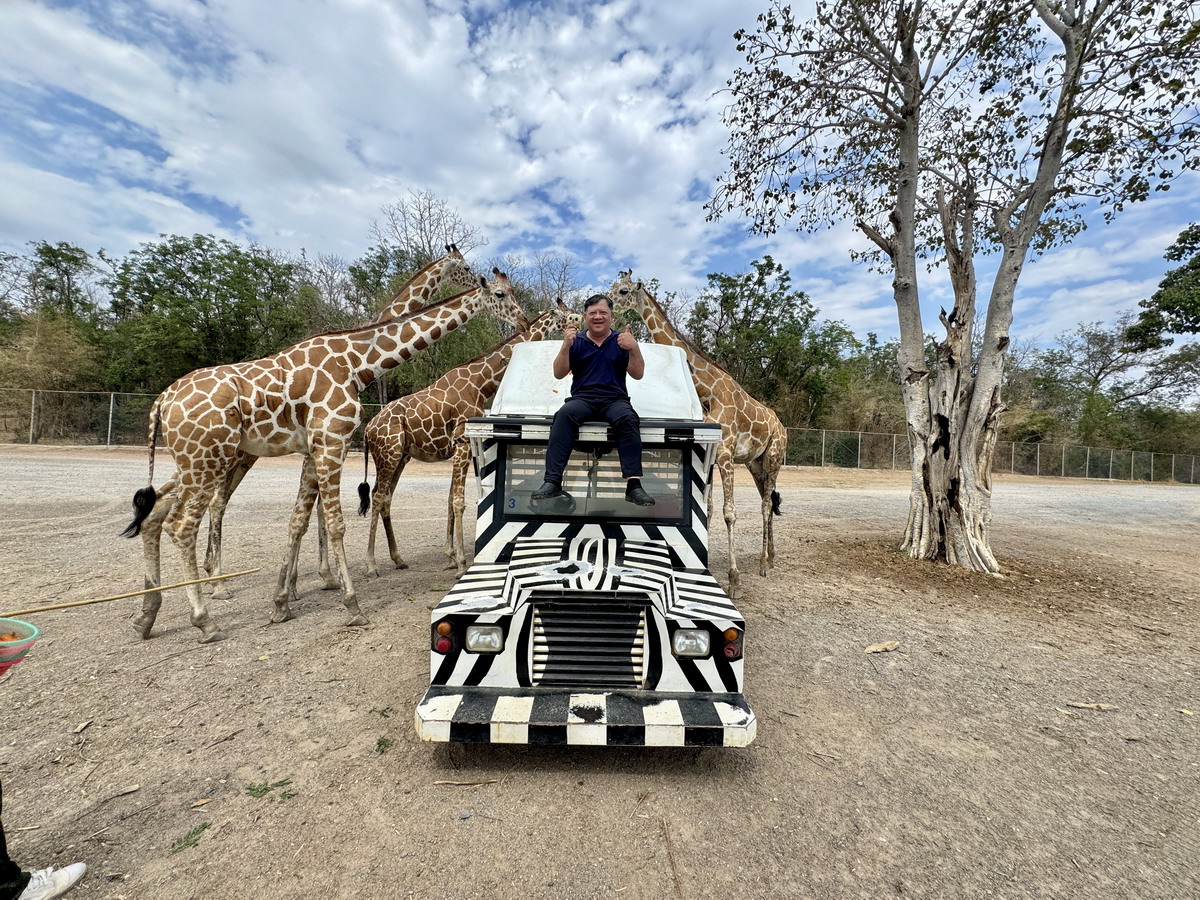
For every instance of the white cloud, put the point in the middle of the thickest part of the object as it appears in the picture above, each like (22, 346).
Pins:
(593, 127)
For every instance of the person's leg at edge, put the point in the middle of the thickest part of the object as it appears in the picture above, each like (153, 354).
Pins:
(12, 879)
(628, 427)
(44, 883)
(564, 429)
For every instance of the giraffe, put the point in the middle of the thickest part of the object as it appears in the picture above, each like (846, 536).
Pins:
(428, 426)
(450, 269)
(304, 399)
(751, 431)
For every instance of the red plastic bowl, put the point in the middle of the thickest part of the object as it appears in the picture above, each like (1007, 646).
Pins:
(12, 652)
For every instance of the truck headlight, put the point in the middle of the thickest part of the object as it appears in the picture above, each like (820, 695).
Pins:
(485, 638)
(690, 642)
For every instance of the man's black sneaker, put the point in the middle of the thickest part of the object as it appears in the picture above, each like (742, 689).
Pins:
(549, 489)
(639, 496)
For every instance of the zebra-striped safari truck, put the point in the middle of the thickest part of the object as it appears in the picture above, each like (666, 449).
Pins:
(588, 619)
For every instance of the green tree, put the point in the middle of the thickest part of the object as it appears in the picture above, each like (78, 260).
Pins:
(945, 130)
(61, 280)
(865, 392)
(183, 303)
(764, 333)
(1099, 382)
(1175, 306)
(51, 322)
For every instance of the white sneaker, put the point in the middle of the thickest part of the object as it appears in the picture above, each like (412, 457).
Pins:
(52, 882)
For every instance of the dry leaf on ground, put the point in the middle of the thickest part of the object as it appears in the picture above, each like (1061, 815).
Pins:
(883, 647)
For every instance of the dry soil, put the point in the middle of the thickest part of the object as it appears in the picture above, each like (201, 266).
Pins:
(1032, 736)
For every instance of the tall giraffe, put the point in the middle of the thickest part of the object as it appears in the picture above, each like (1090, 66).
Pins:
(301, 400)
(751, 431)
(450, 269)
(428, 426)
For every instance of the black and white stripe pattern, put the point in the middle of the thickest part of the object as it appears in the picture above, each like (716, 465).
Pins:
(610, 718)
(494, 531)
(589, 564)
(589, 595)
(506, 592)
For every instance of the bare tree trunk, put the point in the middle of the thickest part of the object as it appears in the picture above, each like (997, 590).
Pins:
(953, 431)
(950, 506)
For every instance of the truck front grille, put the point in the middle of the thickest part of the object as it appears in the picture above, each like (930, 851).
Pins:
(589, 640)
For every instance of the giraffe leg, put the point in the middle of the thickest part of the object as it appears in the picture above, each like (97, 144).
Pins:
(385, 513)
(764, 480)
(190, 510)
(455, 541)
(725, 464)
(328, 581)
(329, 483)
(216, 516)
(151, 553)
(285, 584)
(387, 475)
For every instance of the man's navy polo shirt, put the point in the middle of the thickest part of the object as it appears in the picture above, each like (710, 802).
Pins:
(598, 372)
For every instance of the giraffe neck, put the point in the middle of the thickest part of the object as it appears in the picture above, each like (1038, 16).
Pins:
(416, 291)
(486, 370)
(706, 375)
(661, 329)
(358, 357)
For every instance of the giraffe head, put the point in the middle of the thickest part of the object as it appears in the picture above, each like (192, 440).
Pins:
(553, 320)
(562, 315)
(627, 294)
(455, 270)
(500, 299)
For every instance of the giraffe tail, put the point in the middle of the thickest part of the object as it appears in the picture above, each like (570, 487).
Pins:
(776, 504)
(143, 502)
(364, 489)
(144, 499)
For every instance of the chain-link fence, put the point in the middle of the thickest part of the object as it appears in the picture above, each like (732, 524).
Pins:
(76, 417)
(70, 417)
(860, 450)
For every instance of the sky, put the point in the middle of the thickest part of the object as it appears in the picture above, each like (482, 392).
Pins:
(591, 129)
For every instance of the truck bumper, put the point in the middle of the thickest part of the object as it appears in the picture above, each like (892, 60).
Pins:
(595, 718)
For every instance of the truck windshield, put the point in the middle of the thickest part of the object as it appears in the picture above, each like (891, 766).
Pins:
(593, 481)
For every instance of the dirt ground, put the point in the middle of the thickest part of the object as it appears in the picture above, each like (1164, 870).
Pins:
(1033, 736)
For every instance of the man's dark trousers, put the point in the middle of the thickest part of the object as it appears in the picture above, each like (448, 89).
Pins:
(577, 410)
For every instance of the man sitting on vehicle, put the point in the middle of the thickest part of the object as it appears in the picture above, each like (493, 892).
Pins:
(598, 360)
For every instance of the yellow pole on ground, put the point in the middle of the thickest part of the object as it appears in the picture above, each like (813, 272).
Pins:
(165, 587)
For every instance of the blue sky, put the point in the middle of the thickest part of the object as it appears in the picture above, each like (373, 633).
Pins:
(588, 128)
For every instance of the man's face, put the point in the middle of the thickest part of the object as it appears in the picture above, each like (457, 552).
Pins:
(598, 318)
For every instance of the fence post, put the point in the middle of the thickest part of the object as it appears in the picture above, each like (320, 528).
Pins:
(1087, 464)
(111, 400)
(1152, 467)
(1012, 459)
(894, 455)
(32, 412)
(1063, 468)
(822, 446)
(1110, 462)
(858, 463)
(1037, 466)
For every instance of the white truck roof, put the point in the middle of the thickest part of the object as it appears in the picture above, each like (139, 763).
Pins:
(530, 389)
